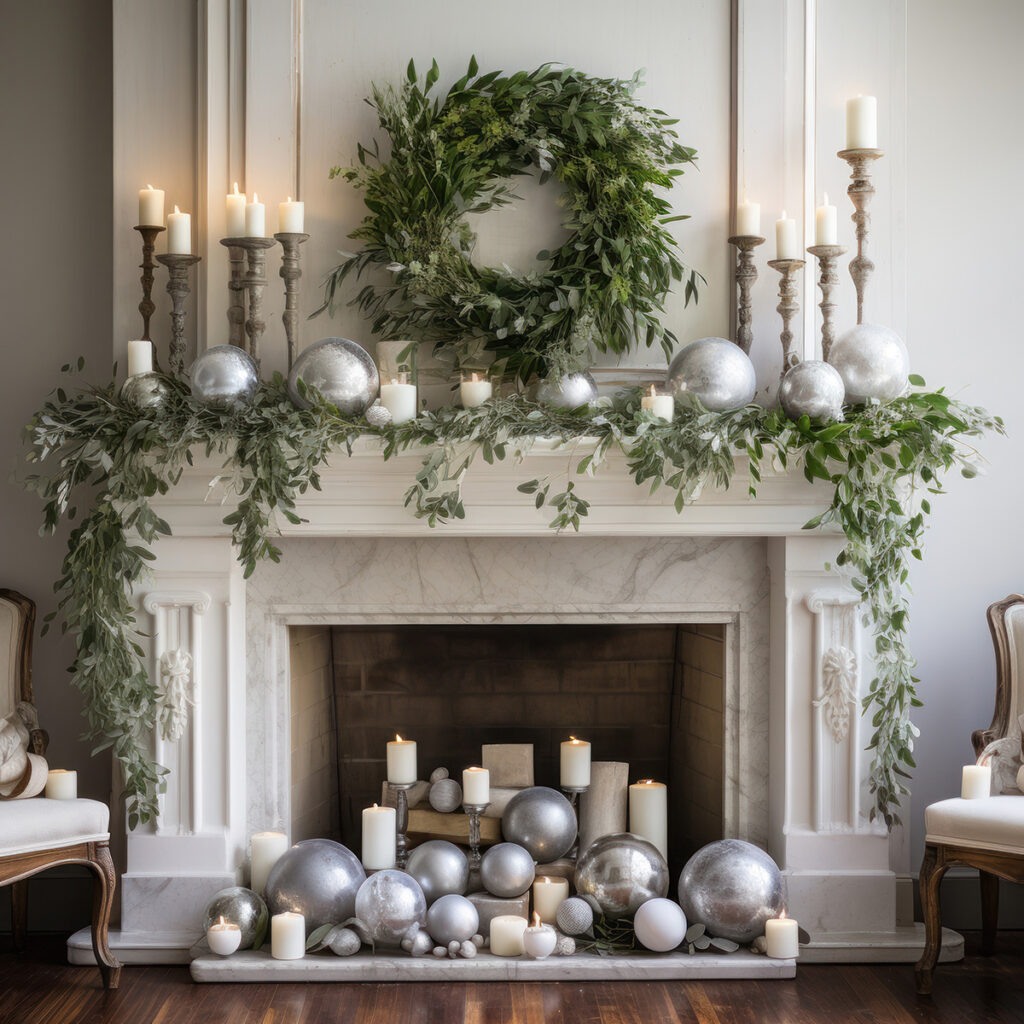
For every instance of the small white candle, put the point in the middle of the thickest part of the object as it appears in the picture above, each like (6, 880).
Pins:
(236, 213)
(826, 226)
(539, 940)
(151, 207)
(748, 218)
(976, 782)
(288, 936)
(548, 895)
(786, 245)
(648, 812)
(507, 935)
(265, 849)
(179, 232)
(575, 764)
(290, 217)
(401, 761)
(476, 787)
(140, 357)
(475, 391)
(782, 937)
(862, 123)
(663, 406)
(62, 785)
(379, 838)
(255, 218)
(223, 937)
(399, 398)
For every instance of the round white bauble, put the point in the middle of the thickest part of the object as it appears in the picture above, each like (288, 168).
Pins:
(660, 925)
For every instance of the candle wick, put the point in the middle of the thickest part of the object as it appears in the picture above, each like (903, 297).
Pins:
(176, 210)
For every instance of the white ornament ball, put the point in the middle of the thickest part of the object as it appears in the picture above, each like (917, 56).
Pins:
(873, 362)
(378, 416)
(539, 943)
(815, 389)
(718, 372)
(660, 925)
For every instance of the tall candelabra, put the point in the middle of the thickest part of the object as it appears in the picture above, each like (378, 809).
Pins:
(746, 275)
(178, 288)
(401, 791)
(147, 307)
(255, 281)
(291, 271)
(861, 192)
(236, 290)
(828, 280)
(788, 307)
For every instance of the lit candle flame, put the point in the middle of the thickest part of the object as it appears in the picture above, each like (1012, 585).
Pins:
(289, 199)
(536, 919)
(150, 187)
(398, 739)
(646, 782)
(653, 392)
(783, 217)
(782, 916)
(176, 210)
(256, 199)
(236, 189)
(221, 922)
(826, 199)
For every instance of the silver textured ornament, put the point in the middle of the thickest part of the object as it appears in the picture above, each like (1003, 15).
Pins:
(390, 904)
(507, 870)
(541, 820)
(378, 415)
(440, 868)
(341, 371)
(452, 918)
(343, 941)
(144, 390)
(815, 389)
(240, 906)
(567, 392)
(622, 872)
(873, 362)
(317, 878)
(445, 795)
(574, 916)
(732, 888)
(438, 774)
(718, 372)
(222, 376)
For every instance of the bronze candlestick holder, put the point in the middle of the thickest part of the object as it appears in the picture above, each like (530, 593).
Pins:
(147, 307)
(291, 271)
(787, 308)
(177, 287)
(860, 191)
(828, 279)
(236, 289)
(401, 791)
(746, 275)
(255, 281)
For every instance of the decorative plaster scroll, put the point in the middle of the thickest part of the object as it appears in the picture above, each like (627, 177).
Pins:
(176, 694)
(197, 600)
(839, 681)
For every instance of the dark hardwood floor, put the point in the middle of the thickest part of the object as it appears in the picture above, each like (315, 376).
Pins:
(39, 988)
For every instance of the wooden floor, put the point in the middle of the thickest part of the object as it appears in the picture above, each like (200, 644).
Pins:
(39, 988)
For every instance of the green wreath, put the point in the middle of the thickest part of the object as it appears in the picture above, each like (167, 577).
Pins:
(604, 287)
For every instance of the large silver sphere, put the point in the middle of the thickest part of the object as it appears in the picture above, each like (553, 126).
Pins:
(341, 371)
(440, 867)
(814, 389)
(541, 820)
(241, 906)
(873, 362)
(718, 372)
(732, 888)
(222, 376)
(507, 870)
(622, 872)
(567, 392)
(317, 878)
(452, 919)
(391, 905)
(144, 390)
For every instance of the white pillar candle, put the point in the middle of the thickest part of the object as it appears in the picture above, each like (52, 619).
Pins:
(548, 895)
(782, 937)
(379, 838)
(663, 406)
(62, 785)
(401, 761)
(507, 935)
(236, 213)
(826, 225)
(862, 123)
(748, 218)
(151, 207)
(648, 812)
(179, 232)
(140, 357)
(265, 849)
(575, 764)
(976, 782)
(399, 398)
(539, 940)
(288, 936)
(223, 938)
(476, 787)
(786, 245)
(255, 218)
(290, 217)
(474, 391)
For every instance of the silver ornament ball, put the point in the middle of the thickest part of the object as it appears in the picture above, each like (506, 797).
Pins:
(390, 904)
(223, 376)
(507, 870)
(341, 371)
(445, 795)
(378, 415)
(718, 372)
(541, 820)
(732, 888)
(452, 918)
(438, 774)
(317, 878)
(567, 392)
(621, 871)
(815, 389)
(240, 906)
(144, 390)
(344, 941)
(440, 868)
(574, 916)
(873, 362)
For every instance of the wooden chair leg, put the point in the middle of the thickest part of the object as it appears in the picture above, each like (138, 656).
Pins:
(102, 901)
(19, 914)
(930, 880)
(989, 911)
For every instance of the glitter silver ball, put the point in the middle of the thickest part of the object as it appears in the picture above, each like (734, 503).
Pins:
(440, 868)
(240, 906)
(445, 795)
(507, 870)
(622, 872)
(378, 415)
(732, 888)
(873, 362)
(144, 390)
(574, 916)
(317, 878)
(541, 820)
(341, 371)
(813, 389)
(452, 919)
(391, 904)
(222, 376)
(567, 392)
(718, 372)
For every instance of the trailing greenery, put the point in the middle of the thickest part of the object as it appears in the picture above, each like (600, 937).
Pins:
(880, 467)
(603, 287)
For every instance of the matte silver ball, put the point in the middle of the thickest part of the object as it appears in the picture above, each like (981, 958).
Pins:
(440, 868)
(223, 376)
(438, 774)
(813, 389)
(732, 888)
(452, 919)
(541, 820)
(567, 392)
(574, 916)
(240, 906)
(718, 372)
(873, 362)
(317, 878)
(622, 872)
(144, 391)
(390, 904)
(378, 415)
(445, 795)
(344, 941)
(507, 870)
(341, 371)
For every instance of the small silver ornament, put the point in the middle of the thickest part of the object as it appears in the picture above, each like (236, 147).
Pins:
(574, 916)
(440, 868)
(438, 774)
(565, 946)
(732, 888)
(452, 918)
(445, 795)
(240, 906)
(223, 376)
(467, 950)
(343, 941)
(378, 415)
(390, 904)
(419, 944)
(873, 362)
(815, 389)
(718, 372)
(507, 870)
(541, 820)
(144, 391)
(441, 952)
(622, 872)
(567, 392)
(341, 371)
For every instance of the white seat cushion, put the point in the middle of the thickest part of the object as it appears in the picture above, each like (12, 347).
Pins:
(995, 823)
(41, 824)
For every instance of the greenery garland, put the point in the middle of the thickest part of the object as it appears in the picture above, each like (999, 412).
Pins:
(603, 287)
(879, 464)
